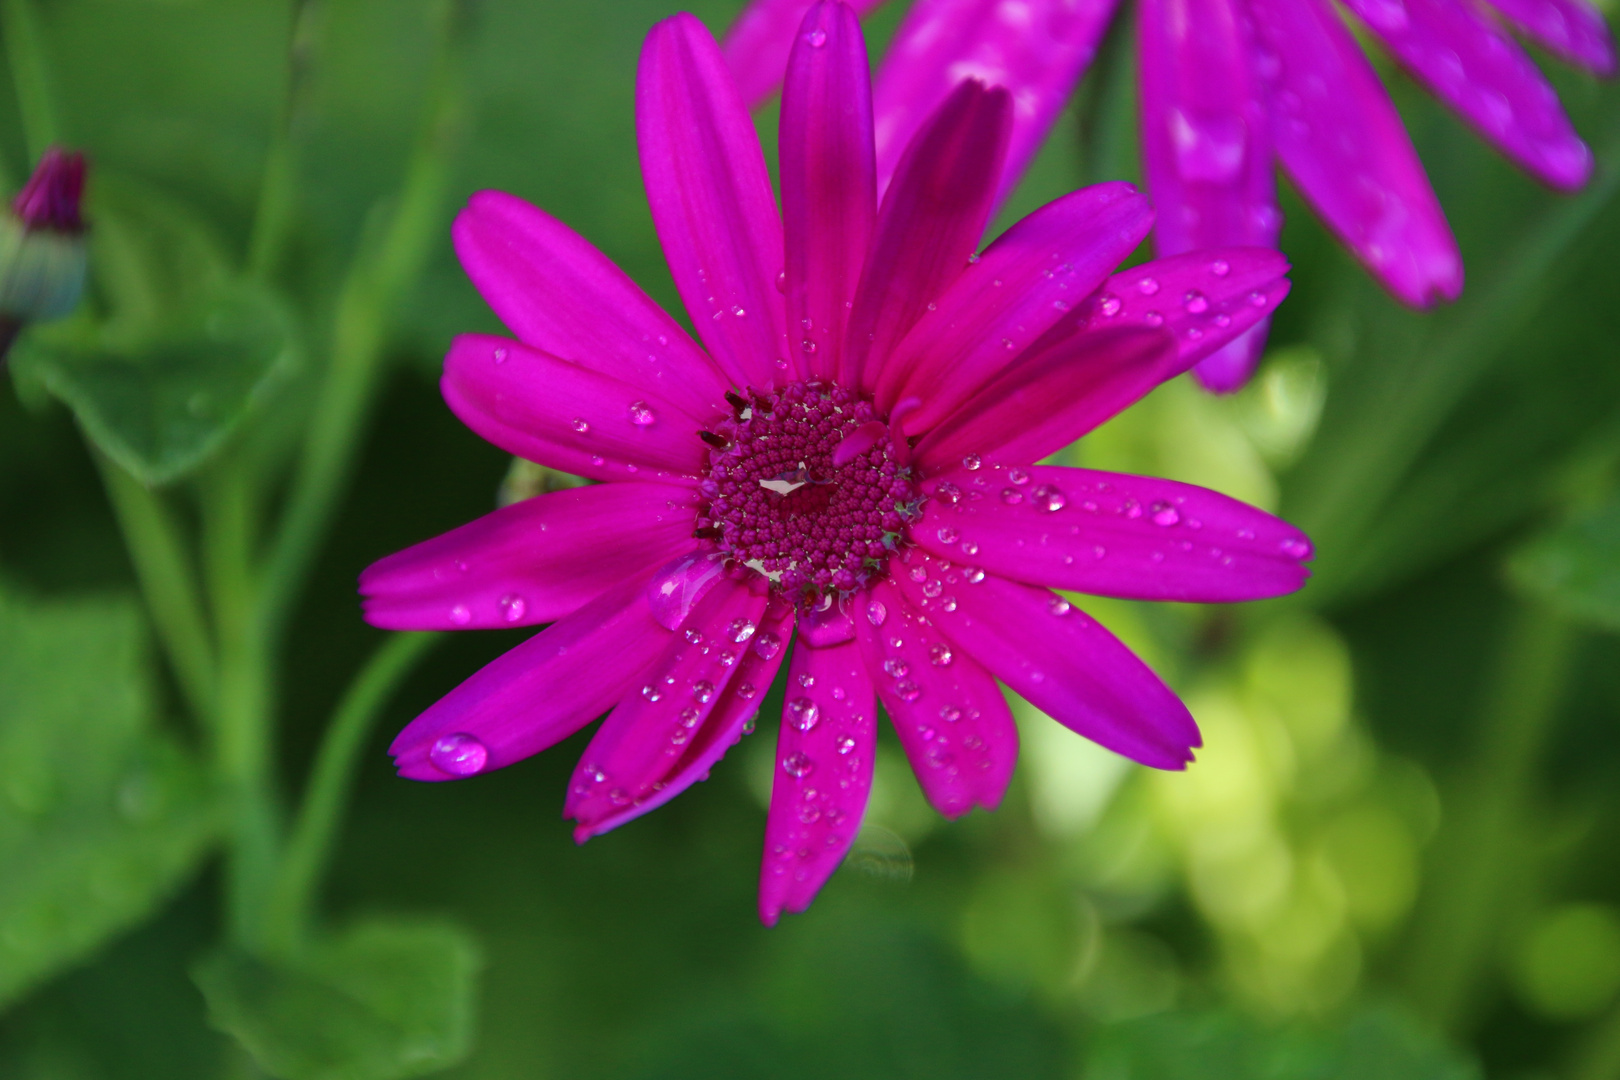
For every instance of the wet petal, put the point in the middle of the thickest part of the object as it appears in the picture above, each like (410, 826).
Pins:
(823, 775)
(950, 716)
(930, 222)
(756, 47)
(532, 562)
(1111, 534)
(537, 694)
(1056, 657)
(1025, 281)
(625, 771)
(1037, 49)
(829, 201)
(559, 414)
(711, 200)
(1572, 29)
(1483, 74)
(1051, 398)
(1342, 141)
(559, 294)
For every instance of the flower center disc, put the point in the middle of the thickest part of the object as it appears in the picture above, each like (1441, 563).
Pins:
(787, 501)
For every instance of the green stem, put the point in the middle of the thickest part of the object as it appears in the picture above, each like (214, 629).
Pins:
(1484, 846)
(309, 847)
(157, 546)
(30, 70)
(277, 192)
(1599, 1057)
(1108, 109)
(377, 283)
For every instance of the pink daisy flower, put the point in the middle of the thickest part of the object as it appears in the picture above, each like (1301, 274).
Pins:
(1229, 85)
(846, 463)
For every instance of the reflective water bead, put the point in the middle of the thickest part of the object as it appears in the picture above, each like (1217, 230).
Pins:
(948, 535)
(1148, 286)
(1012, 496)
(1109, 305)
(907, 691)
(876, 613)
(1058, 606)
(798, 765)
(767, 645)
(932, 588)
(896, 668)
(459, 754)
(803, 713)
(972, 462)
(1049, 498)
(1165, 514)
(816, 38)
(950, 713)
(703, 690)
(513, 608)
(460, 615)
(746, 691)
(844, 744)
(578, 424)
(651, 692)
(641, 415)
(1195, 302)
(939, 655)
(741, 630)
(973, 574)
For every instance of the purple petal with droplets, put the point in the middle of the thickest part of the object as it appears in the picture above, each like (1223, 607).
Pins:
(677, 587)
(533, 562)
(1342, 141)
(1059, 659)
(829, 197)
(952, 721)
(929, 223)
(559, 294)
(1572, 29)
(559, 414)
(756, 47)
(1035, 272)
(542, 691)
(1482, 73)
(711, 200)
(1037, 49)
(1111, 534)
(643, 740)
(1052, 397)
(823, 776)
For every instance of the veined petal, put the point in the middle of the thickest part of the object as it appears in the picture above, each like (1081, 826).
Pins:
(929, 223)
(1111, 534)
(950, 716)
(823, 775)
(532, 562)
(711, 200)
(1037, 49)
(1342, 141)
(829, 201)
(1482, 73)
(537, 694)
(756, 47)
(1033, 273)
(559, 294)
(1572, 29)
(559, 414)
(1054, 396)
(1056, 657)
(627, 766)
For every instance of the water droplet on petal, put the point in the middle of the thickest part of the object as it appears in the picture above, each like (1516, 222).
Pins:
(816, 38)
(844, 744)
(798, 765)
(746, 691)
(579, 425)
(703, 690)
(1058, 606)
(907, 691)
(513, 608)
(876, 613)
(971, 463)
(1195, 302)
(1048, 498)
(1012, 496)
(1109, 305)
(803, 714)
(459, 755)
(651, 692)
(500, 356)
(1018, 476)
(1220, 268)
(641, 415)
(1148, 286)
(1165, 514)
(939, 655)
(950, 713)
(948, 535)
(741, 630)
(932, 587)
(460, 615)
(896, 668)
(1154, 318)
(767, 645)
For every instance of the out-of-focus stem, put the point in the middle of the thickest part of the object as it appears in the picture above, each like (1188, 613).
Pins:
(25, 52)
(1599, 1057)
(278, 189)
(309, 847)
(164, 567)
(1108, 107)
(1483, 843)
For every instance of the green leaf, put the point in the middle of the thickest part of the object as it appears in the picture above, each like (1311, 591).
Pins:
(1576, 567)
(100, 818)
(382, 1000)
(1375, 1044)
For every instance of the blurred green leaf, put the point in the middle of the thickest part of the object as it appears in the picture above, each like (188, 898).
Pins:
(1576, 567)
(100, 818)
(382, 1000)
(1377, 1044)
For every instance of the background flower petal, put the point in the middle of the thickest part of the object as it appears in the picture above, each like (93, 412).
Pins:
(711, 199)
(756, 47)
(1573, 29)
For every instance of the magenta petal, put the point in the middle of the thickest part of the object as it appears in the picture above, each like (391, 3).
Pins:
(823, 775)
(537, 694)
(654, 725)
(562, 296)
(1342, 141)
(950, 716)
(1111, 534)
(1573, 29)
(1056, 657)
(1023, 283)
(559, 414)
(756, 46)
(829, 200)
(1036, 49)
(1227, 369)
(930, 222)
(1206, 140)
(757, 662)
(1050, 399)
(711, 199)
(1482, 73)
(533, 562)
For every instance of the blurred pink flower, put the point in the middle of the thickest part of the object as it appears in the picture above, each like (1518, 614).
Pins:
(1226, 85)
(847, 459)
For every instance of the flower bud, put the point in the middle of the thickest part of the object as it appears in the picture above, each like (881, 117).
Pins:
(42, 249)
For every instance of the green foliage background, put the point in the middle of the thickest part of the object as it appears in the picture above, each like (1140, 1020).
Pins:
(1396, 857)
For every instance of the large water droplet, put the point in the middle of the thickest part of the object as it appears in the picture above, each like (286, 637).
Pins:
(972, 462)
(816, 38)
(939, 654)
(1058, 606)
(1165, 514)
(948, 535)
(1109, 305)
(579, 425)
(459, 755)
(651, 692)
(1195, 302)
(876, 613)
(460, 615)
(767, 645)
(907, 691)
(1148, 286)
(676, 589)
(513, 608)
(1048, 498)
(641, 415)
(741, 630)
(803, 713)
(798, 764)
(950, 713)
(703, 690)
(932, 588)
(844, 744)
(896, 668)
(1012, 496)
